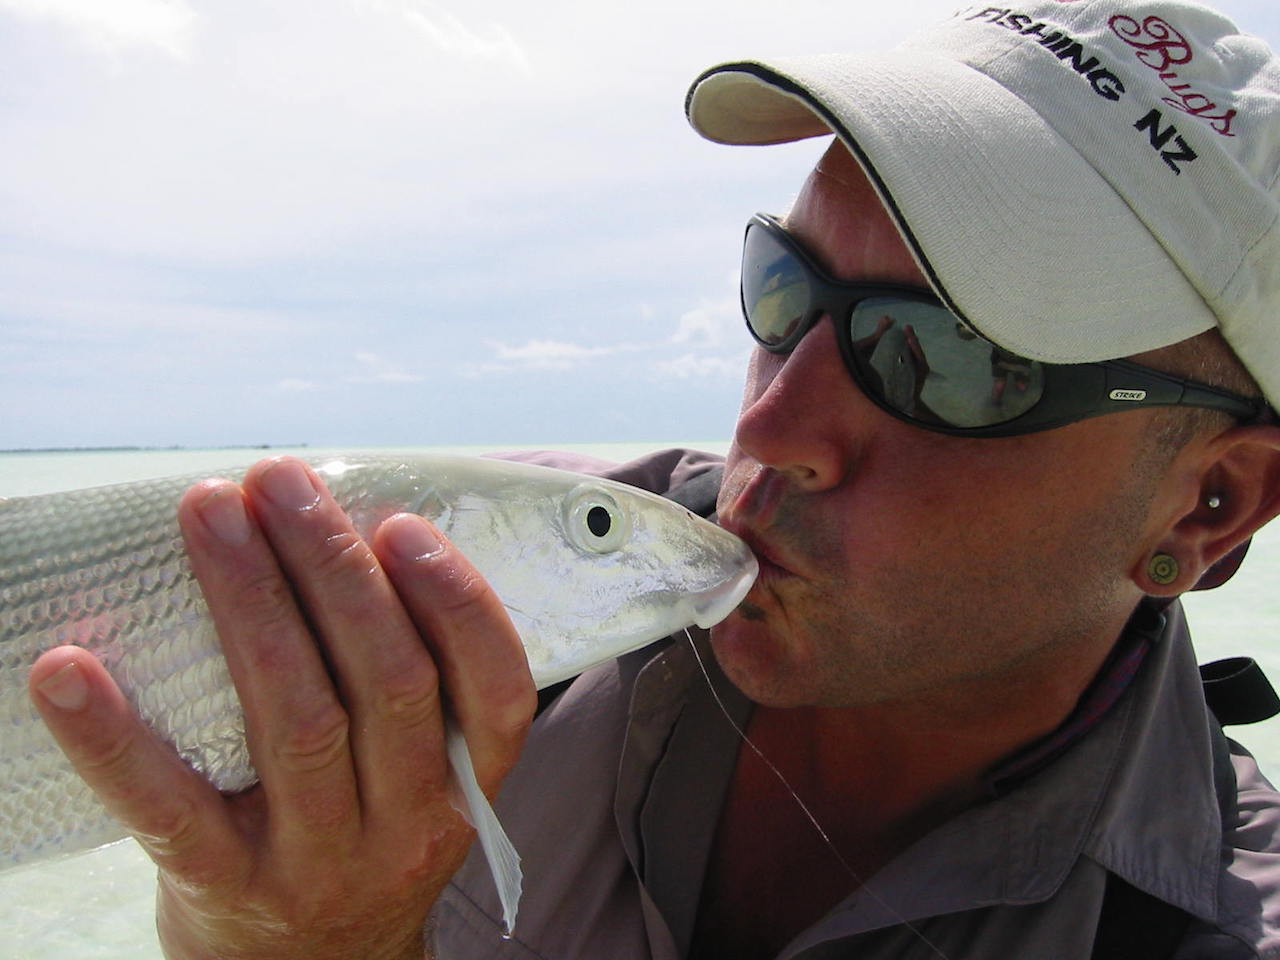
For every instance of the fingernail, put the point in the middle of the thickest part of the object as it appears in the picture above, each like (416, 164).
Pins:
(288, 485)
(412, 538)
(66, 689)
(223, 513)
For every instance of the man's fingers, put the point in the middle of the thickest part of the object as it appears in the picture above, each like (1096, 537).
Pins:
(383, 670)
(176, 815)
(475, 647)
(296, 727)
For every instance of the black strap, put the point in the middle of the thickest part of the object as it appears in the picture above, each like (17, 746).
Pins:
(1237, 691)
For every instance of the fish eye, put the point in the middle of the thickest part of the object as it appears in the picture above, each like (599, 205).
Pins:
(599, 521)
(595, 521)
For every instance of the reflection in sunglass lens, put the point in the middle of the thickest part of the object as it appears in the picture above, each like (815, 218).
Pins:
(920, 360)
(775, 288)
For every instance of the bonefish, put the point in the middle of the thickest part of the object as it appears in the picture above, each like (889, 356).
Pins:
(587, 569)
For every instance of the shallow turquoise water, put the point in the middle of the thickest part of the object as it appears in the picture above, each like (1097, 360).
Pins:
(99, 906)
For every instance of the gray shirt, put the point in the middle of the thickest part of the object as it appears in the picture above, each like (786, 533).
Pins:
(614, 803)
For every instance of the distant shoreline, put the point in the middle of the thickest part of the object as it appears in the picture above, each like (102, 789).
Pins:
(146, 449)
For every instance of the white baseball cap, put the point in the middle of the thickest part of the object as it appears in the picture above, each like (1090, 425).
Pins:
(1080, 180)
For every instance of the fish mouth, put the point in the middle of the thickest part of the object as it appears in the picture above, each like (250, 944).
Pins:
(713, 605)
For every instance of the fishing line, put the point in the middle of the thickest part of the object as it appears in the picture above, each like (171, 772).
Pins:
(804, 808)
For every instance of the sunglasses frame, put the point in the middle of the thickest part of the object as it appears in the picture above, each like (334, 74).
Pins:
(1071, 392)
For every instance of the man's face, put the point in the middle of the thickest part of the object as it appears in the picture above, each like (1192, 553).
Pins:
(897, 563)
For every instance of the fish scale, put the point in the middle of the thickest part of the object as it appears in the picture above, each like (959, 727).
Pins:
(106, 569)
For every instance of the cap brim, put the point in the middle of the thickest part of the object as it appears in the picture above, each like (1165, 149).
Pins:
(1016, 231)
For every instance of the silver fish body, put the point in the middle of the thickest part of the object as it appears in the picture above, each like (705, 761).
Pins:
(587, 569)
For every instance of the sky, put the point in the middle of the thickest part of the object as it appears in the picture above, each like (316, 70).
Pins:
(386, 222)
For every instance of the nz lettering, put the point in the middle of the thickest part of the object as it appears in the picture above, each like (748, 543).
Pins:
(1157, 45)
(1150, 124)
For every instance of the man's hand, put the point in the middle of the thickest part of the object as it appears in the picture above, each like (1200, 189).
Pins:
(340, 651)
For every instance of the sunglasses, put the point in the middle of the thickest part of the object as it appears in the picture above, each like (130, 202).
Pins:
(917, 361)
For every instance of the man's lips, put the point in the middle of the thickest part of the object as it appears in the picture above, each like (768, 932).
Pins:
(773, 559)
(750, 513)
(761, 507)
(772, 565)
(757, 499)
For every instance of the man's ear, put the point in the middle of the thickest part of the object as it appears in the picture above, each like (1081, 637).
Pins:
(1229, 489)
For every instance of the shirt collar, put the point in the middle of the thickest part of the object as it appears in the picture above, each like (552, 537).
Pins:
(1113, 679)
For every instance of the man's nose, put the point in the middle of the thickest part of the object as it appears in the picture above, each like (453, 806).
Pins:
(802, 413)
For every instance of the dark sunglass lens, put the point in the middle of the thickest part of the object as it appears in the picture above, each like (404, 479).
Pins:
(927, 365)
(775, 287)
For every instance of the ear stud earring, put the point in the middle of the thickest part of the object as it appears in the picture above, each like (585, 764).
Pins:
(1214, 502)
(1163, 569)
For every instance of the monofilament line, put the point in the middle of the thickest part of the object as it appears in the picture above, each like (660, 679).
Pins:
(804, 808)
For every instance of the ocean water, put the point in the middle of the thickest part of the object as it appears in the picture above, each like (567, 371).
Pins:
(99, 906)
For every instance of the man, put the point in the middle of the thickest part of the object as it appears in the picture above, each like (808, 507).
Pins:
(979, 725)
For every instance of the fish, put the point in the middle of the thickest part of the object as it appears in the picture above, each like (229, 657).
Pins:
(587, 568)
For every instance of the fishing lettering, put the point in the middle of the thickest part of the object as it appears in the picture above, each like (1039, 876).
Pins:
(1105, 83)
(1159, 46)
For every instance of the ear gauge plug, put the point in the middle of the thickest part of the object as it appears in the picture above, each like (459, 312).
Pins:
(1163, 569)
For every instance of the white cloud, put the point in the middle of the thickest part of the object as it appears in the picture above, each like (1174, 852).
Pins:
(710, 324)
(372, 368)
(705, 332)
(369, 368)
(306, 127)
(546, 355)
(296, 385)
(691, 366)
(448, 34)
(167, 25)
